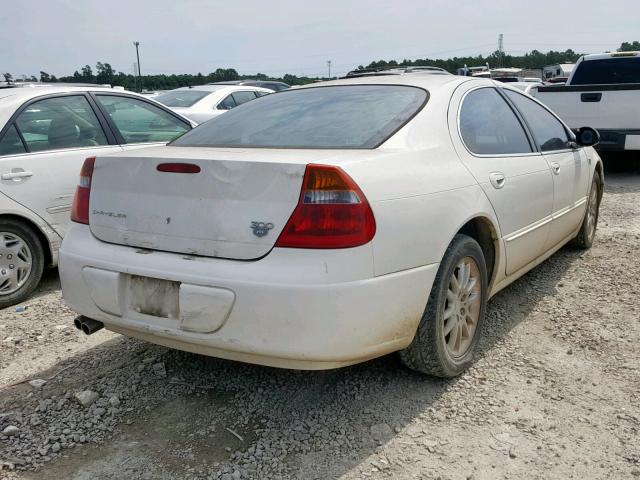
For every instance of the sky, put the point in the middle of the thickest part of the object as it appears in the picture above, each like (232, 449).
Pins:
(294, 36)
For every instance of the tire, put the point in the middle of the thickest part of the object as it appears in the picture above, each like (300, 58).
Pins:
(431, 350)
(19, 246)
(584, 239)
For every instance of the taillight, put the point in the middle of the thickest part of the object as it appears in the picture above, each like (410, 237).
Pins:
(332, 212)
(80, 207)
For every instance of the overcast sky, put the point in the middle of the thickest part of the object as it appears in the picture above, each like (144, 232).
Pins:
(294, 36)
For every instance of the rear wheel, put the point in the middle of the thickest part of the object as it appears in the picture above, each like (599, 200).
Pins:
(21, 262)
(587, 232)
(451, 325)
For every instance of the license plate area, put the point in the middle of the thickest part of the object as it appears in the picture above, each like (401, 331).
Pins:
(155, 297)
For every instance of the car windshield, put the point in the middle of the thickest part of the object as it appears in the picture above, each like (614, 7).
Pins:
(181, 98)
(350, 116)
(607, 71)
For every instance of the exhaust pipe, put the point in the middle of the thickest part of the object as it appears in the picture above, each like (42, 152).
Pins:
(87, 325)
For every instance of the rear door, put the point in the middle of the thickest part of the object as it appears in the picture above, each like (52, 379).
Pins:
(570, 169)
(43, 149)
(494, 145)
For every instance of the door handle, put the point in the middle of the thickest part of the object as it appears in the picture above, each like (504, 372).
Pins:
(14, 175)
(555, 168)
(497, 179)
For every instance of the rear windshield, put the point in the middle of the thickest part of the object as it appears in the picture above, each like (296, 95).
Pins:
(181, 98)
(607, 71)
(350, 116)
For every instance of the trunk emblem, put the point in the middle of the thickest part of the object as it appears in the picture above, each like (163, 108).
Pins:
(260, 229)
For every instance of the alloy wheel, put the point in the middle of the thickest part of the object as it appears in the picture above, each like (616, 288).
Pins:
(462, 307)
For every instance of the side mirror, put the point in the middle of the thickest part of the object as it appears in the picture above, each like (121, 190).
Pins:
(587, 137)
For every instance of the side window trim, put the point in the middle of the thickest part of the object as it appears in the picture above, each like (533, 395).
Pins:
(532, 139)
(523, 121)
(532, 145)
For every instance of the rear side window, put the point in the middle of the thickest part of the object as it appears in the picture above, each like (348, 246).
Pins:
(60, 122)
(349, 116)
(547, 130)
(243, 97)
(181, 98)
(608, 71)
(227, 103)
(489, 127)
(141, 122)
(11, 144)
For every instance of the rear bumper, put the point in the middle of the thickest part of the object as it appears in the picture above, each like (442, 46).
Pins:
(306, 309)
(618, 140)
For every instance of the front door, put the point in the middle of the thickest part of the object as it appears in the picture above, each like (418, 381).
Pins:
(569, 167)
(496, 149)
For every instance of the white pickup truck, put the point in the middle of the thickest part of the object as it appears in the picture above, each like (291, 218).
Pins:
(603, 92)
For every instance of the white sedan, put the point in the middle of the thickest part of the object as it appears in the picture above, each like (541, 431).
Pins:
(203, 102)
(45, 135)
(327, 225)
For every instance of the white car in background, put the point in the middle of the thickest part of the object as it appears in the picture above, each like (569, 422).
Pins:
(45, 135)
(323, 226)
(204, 102)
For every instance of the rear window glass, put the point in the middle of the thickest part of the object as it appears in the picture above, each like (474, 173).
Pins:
(350, 116)
(181, 98)
(608, 71)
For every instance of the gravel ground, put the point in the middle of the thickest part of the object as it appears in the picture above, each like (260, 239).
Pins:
(553, 395)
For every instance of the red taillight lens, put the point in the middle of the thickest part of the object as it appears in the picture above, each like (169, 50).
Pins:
(332, 212)
(80, 207)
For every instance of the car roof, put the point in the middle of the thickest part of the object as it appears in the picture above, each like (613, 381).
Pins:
(428, 81)
(13, 98)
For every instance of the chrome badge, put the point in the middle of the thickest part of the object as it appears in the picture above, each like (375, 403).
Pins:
(260, 229)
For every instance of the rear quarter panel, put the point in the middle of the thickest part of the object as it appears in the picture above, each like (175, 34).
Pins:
(420, 192)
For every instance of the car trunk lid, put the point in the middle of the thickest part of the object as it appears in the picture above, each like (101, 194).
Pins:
(197, 201)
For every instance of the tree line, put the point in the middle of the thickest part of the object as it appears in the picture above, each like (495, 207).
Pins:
(105, 74)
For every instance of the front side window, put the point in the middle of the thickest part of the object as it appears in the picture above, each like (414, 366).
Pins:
(489, 127)
(243, 97)
(546, 129)
(181, 98)
(11, 144)
(60, 122)
(141, 122)
(349, 116)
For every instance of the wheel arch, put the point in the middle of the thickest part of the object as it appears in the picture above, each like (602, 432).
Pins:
(599, 170)
(50, 257)
(483, 231)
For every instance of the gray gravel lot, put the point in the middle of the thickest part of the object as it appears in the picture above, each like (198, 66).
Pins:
(553, 395)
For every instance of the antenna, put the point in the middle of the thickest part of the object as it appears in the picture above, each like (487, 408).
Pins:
(500, 49)
(329, 67)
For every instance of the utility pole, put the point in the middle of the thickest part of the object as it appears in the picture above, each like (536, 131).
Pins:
(329, 66)
(137, 44)
(500, 50)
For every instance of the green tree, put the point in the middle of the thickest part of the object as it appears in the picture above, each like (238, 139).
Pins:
(87, 74)
(8, 77)
(630, 47)
(104, 73)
